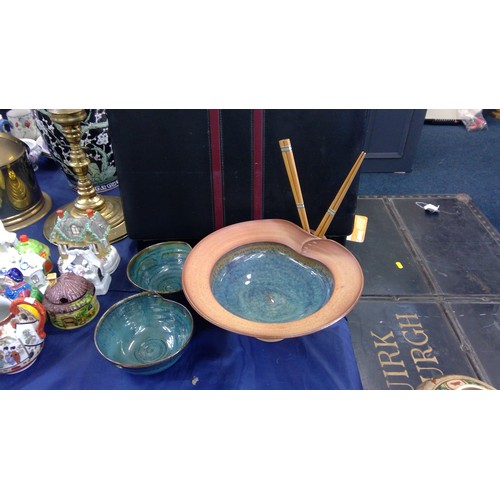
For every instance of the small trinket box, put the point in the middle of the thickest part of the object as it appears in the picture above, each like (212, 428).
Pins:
(70, 300)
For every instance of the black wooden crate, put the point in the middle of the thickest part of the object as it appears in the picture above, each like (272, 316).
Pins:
(185, 173)
(431, 300)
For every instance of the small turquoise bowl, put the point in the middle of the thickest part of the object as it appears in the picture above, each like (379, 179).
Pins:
(158, 268)
(144, 334)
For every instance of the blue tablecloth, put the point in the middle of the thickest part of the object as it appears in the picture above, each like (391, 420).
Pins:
(214, 359)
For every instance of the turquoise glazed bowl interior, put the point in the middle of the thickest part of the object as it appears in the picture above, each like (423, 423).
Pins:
(144, 334)
(270, 283)
(158, 268)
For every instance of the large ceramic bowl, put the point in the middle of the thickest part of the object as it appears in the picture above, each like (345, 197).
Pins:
(158, 268)
(144, 333)
(271, 280)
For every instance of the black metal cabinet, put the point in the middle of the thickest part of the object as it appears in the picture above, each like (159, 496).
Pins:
(391, 139)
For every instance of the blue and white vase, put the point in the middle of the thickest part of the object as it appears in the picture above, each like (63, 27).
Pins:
(95, 142)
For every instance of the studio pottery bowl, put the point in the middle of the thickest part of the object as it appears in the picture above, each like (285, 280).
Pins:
(270, 279)
(144, 333)
(158, 268)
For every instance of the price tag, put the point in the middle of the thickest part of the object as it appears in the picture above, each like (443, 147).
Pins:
(359, 230)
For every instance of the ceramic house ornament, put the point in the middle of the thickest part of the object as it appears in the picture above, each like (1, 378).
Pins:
(84, 248)
(70, 300)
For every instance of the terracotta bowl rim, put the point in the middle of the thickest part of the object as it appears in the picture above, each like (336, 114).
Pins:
(346, 271)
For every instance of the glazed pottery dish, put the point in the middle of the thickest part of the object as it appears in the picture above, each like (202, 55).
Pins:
(158, 268)
(270, 279)
(144, 334)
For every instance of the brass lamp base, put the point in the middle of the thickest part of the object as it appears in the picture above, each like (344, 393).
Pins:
(112, 212)
(34, 214)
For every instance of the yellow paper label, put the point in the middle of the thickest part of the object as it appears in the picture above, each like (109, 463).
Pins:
(359, 230)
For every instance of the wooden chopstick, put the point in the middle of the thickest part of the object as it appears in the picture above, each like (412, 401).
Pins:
(332, 210)
(293, 178)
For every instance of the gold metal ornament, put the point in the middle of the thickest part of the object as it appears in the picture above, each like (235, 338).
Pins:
(22, 203)
(110, 207)
(17, 193)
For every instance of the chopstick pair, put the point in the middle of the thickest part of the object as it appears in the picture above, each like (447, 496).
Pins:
(286, 150)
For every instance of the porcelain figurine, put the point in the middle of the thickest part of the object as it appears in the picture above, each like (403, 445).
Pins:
(70, 300)
(84, 248)
(9, 256)
(27, 246)
(33, 268)
(29, 256)
(86, 264)
(22, 334)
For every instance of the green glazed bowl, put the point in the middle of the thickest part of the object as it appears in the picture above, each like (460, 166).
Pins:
(144, 334)
(158, 268)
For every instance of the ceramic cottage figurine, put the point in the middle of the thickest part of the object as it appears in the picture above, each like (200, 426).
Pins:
(84, 248)
(70, 300)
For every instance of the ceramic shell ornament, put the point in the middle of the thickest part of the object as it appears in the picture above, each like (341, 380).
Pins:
(84, 248)
(70, 301)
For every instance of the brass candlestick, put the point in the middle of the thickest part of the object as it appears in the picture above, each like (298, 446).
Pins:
(110, 207)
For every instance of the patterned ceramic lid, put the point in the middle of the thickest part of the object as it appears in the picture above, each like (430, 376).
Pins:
(68, 288)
